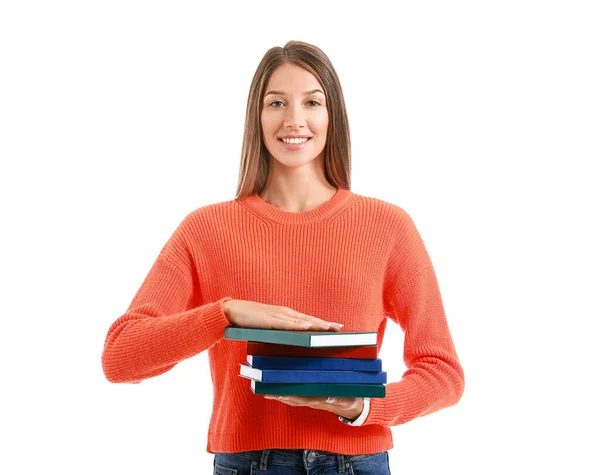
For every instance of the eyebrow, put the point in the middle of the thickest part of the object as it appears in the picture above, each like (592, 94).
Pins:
(281, 93)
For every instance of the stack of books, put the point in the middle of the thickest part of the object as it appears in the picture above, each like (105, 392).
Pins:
(305, 363)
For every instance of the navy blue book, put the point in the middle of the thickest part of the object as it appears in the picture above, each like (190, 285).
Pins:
(309, 376)
(313, 363)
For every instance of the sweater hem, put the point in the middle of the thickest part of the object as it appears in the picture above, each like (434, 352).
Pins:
(241, 442)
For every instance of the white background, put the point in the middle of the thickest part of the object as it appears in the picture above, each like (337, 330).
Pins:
(480, 119)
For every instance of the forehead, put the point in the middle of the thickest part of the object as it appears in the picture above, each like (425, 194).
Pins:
(292, 79)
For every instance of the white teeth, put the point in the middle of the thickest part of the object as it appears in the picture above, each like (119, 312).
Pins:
(295, 140)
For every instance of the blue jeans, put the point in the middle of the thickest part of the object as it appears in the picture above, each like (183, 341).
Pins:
(299, 462)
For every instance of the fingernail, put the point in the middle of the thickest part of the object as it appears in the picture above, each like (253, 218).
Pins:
(307, 324)
(339, 325)
(330, 400)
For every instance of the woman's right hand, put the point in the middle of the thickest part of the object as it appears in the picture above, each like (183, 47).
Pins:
(249, 314)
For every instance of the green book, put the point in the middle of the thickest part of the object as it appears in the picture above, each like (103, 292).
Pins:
(318, 389)
(301, 337)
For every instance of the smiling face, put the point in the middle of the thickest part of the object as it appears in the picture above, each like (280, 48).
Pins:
(294, 106)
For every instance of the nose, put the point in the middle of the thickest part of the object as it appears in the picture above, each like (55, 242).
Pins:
(294, 116)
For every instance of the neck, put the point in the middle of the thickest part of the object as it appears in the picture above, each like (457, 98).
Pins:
(297, 200)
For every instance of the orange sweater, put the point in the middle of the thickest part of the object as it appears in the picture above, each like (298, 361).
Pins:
(354, 260)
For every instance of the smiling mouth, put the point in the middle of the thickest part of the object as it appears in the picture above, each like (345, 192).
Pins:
(306, 139)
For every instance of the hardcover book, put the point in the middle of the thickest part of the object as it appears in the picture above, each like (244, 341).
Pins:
(302, 338)
(270, 349)
(307, 363)
(342, 390)
(311, 376)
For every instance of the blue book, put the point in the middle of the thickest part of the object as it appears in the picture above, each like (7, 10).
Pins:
(309, 376)
(313, 363)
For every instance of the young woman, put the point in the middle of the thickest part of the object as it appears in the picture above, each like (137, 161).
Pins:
(295, 249)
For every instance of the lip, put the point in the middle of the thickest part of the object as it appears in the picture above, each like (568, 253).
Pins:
(294, 146)
(295, 137)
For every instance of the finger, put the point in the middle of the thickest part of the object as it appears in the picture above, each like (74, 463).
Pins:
(305, 400)
(325, 324)
(287, 400)
(287, 323)
(303, 323)
(295, 400)
(315, 322)
(276, 396)
(296, 315)
(346, 402)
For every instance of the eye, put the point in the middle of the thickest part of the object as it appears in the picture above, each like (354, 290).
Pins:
(279, 102)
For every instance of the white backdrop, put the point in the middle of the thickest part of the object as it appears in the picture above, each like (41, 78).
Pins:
(480, 119)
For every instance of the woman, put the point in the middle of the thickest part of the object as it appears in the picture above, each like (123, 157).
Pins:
(295, 249)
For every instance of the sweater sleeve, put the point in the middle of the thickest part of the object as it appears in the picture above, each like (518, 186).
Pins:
(167, 321)
(434, 378)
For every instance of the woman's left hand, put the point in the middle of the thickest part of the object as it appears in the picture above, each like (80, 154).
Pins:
(349, 407)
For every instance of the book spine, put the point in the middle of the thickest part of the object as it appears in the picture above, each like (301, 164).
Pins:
(342, 390)
(292, 338)
(320, 364)
(325, 377)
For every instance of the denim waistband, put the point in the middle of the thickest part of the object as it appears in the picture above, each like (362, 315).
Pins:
(302, 457)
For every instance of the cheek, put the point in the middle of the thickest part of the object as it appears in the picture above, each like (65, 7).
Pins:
(267, 130)
(321, 122)
(264, 121)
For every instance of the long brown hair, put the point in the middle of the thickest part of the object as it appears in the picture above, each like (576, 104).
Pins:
(254, 166)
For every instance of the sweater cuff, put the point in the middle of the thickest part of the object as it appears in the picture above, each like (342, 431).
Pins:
(214, 319)
(376, 413)
(363, 415)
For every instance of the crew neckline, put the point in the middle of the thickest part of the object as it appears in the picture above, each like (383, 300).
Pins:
(337, 202)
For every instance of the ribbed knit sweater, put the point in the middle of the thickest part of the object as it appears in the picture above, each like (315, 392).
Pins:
(354, 259)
